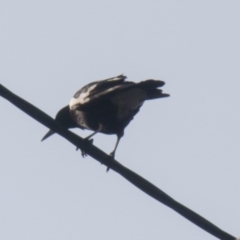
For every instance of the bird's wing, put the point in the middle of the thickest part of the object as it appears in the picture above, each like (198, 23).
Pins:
(106, 85)
(109, 87)
(95, 90)
(150, 86)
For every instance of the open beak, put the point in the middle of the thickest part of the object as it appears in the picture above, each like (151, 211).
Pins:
(48, 134)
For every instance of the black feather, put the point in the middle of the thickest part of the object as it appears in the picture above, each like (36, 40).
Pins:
(109, 105)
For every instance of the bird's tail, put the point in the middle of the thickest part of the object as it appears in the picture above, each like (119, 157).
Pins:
(151, 88)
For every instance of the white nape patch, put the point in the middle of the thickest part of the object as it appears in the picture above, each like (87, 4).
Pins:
(129, 101)
(82, 98)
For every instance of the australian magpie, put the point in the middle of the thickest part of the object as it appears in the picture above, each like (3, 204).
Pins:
(107, 106)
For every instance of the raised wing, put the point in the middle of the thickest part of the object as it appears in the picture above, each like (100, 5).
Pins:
(94, 90)
(150, 87)
(112, 86)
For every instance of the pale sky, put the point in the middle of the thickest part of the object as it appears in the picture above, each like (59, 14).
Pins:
(187, 145)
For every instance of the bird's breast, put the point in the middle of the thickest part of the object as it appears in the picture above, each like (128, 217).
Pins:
(80, 118)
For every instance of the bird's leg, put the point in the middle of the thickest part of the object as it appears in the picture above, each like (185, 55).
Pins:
(100, 127)
(82, 152)
(90, 140)
(112, 154)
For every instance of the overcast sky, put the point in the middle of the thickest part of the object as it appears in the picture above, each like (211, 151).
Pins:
(188, 145)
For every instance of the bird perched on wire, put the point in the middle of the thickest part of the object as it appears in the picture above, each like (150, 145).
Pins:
(107, 106)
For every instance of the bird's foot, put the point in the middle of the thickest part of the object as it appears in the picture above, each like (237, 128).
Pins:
(82, 152)
(112, 154)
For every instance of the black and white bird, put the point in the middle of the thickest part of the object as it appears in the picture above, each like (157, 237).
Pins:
(107, 106)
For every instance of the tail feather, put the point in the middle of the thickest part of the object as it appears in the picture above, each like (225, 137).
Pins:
(151, 88)
(155, 93)
(151, 83)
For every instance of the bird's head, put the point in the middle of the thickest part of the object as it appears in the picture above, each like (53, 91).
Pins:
(64, 118)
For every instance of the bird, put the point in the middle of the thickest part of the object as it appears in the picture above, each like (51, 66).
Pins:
(107, 106)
